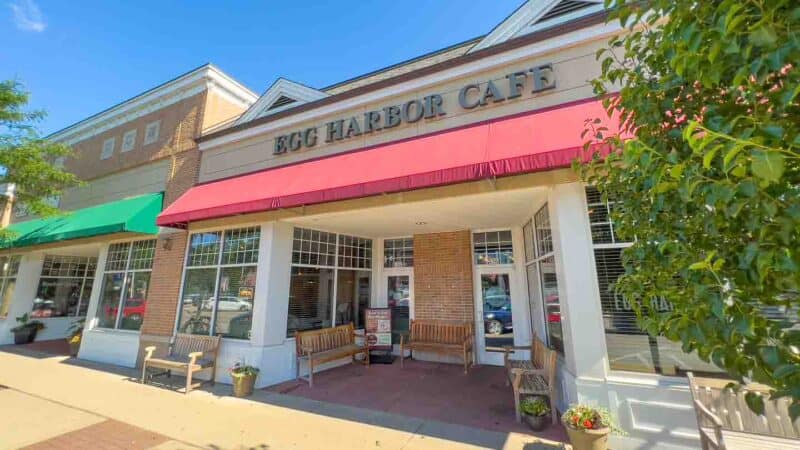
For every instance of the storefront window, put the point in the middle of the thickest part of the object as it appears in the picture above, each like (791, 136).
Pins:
(629, 348)
(220, 282)
(398, 252)
(126, 281)
(331, 279)
(493, 247)
(541, 271)
(9, 267)
(64, 286)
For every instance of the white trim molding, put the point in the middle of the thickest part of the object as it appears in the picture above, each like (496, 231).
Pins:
(526, 19)
(207, 77)
(280, 88)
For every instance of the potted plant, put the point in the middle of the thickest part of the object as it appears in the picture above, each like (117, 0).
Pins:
(25, 332)
(75, 336)
(588, 427)
(536, 413)
(244, 379)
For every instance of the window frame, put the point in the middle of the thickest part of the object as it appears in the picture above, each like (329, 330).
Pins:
(5, 276)
(405, 259)
(536, 259)
(218, 267)
(107, 150)
(156, 124)
(123, 147)
(474, 254)
(84, 278)
(335, 267)
(126, 278)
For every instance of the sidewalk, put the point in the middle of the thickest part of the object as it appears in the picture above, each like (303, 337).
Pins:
(57, 402)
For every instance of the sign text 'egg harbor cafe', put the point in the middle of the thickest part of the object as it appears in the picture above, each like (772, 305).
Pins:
(438, 188)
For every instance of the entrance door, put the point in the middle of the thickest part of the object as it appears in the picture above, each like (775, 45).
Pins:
(494, 327)
(399, 290)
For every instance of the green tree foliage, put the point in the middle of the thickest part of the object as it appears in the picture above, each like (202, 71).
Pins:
(26, 159)
(708, 188)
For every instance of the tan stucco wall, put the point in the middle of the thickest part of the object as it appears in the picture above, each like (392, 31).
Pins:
(219, 110)
(573, 68)
(139, 180)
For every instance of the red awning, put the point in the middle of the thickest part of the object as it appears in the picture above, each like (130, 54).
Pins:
(533, 141)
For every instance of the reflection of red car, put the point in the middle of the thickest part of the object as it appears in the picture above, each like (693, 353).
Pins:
(133, 310)
(554, 317)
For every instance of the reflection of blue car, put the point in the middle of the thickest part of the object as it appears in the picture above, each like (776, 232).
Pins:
(497, 314)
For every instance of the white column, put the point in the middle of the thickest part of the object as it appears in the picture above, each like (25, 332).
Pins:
(277, 266)
(582, 319)
(30, 268)
(257, 331)
(97, 287)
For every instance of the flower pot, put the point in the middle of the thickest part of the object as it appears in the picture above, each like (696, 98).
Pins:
(25, 336)
(588, 439)
(537, 423)
(73, 348)
(243, 385)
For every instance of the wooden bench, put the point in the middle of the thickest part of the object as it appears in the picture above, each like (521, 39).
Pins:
(439, 336)
(534, 376)
(725, 422)
(327, 344)
(187, 352)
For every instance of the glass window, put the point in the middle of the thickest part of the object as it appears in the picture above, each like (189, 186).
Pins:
(108, 148)
(9, 267)
(398, 252)
(310, 299)
(128, 140)
(220, 283)
(541, 273)
(493, 247)
(630, 348)
(126, 282)
(326, 288)
(151, 132)
(398, 290)
(235, 304)
(64, 286)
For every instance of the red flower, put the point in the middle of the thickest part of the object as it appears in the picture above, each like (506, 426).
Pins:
(587, 424)
(575, 419)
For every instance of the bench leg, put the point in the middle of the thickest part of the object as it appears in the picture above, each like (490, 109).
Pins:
(310, 372)
(516, 406)
(366, 357)
(297, 372)
(553, 410)
(188, 381)
(144, 372)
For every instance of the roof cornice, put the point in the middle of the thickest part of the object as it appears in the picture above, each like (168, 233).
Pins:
(206, 77)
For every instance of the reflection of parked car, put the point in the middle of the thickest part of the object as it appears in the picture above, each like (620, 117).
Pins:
(497, 314)
(133, 310)
(228, 304)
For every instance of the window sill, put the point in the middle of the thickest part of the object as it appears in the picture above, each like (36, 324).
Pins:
(114, 331)
(57, 317)
(647, 379)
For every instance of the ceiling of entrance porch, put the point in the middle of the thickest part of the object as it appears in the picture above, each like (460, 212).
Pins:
(478, 211)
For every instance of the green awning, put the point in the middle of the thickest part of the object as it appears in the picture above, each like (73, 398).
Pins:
(133, 215)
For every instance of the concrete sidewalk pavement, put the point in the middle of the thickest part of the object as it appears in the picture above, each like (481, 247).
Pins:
(58, 397)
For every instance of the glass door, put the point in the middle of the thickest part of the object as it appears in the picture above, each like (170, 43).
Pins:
(399, 285)
(494, 316)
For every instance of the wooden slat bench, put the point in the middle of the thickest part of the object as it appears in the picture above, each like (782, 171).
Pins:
(325, 345)
(439, 336)
(187, 352)
(534, 376)
(725, 422)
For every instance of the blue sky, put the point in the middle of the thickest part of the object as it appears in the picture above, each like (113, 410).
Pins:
(77, 58)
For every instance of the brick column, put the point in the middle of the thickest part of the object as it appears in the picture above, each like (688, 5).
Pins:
(167, 275)
(443, 276)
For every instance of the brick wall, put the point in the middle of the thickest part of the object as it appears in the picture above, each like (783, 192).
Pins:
(443, 276)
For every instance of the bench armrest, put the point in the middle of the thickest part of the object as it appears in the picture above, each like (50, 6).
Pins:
(193, 356)
(148, 352)
(522, 371)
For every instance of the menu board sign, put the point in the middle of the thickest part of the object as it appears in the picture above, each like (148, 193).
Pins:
(378, 328)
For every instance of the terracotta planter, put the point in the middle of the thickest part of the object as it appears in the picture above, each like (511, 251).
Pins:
(243, 385)
(588, 439)
(537, 423)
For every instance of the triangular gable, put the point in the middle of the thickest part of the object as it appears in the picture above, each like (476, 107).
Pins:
(536, 15)
(282, 95)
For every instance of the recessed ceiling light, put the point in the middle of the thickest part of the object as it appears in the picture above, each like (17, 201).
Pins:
(421, 223)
